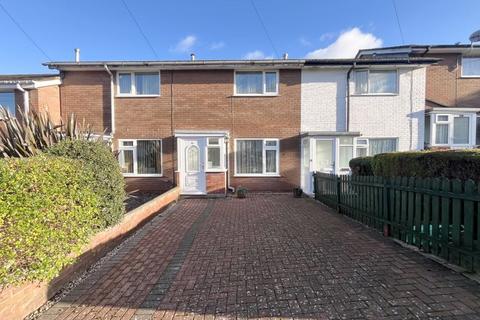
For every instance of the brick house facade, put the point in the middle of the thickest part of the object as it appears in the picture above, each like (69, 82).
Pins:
(195, 104)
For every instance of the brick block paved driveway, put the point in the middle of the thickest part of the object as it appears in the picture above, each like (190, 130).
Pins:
(267, 256)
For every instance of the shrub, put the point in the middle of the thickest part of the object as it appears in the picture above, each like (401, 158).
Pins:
(47, 213)
(361, 166)
(451, 164)
(101, 161)
(29, 134)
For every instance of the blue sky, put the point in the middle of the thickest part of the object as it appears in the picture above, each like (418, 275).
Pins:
(228, 29)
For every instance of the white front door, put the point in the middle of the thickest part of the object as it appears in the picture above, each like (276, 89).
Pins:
(192, 173)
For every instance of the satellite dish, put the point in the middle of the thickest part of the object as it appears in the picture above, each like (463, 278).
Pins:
(475, 37)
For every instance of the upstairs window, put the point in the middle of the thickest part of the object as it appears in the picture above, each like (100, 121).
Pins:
(256, 83)
(7, 100)
(471, 67)
(138, 83)
(376, 82)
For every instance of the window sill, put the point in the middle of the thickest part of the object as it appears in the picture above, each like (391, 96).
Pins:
(256, 95)
(132, 175)
(257, 175)
(137, 95)
(215, 170)
(470, 77)
(374, 94)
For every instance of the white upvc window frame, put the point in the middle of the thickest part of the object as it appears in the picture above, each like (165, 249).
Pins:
(469, 76)
(339, 146)
(135, 164)
(368, 93)
(367, 145)
(450, 122)
(133, 91)
(264, 158)
(264, 84)
(221, 147)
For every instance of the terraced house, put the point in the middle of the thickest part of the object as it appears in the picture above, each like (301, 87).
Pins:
(211, 126)
(452, 96)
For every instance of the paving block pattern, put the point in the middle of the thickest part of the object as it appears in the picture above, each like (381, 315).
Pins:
(268, 256)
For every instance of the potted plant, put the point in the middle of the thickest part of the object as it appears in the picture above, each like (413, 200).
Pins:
(297, 192)
(242, 192)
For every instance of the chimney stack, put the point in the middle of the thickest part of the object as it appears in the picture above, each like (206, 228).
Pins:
(77, 55)
(192, 56)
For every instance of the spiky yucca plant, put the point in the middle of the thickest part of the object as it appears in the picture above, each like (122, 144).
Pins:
(30, 133)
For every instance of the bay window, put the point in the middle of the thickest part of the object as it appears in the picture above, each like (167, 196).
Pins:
(256, 157)
(140, 157)
(471, 66)
(256, 83)
(376, 82)
(138, 84)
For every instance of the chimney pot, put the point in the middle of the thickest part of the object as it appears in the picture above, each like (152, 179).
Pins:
(285, 56)
(192, 56)
(77, 55)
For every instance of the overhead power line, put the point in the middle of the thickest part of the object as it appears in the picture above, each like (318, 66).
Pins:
(140, 28)
(264, 28)
(24, 32)
(398, 21)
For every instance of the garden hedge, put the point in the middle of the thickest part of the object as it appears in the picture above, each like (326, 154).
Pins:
(101, 161)
(48, 210)
(463, 165)
(361, 166)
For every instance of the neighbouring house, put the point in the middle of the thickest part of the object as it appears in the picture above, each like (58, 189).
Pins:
(359, 107)
(203, 125)
(452, 99)
(24, 92)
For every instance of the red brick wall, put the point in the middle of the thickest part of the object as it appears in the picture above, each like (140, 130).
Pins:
(87, 94)
(445, 85)
(196, 100)
(47, 99)
(215, 182)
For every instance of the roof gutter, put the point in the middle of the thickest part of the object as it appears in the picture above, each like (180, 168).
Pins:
(112, 101)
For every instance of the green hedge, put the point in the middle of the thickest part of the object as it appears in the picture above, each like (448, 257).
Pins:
(48, 210)
(101, 161)
(452, 164)
(463, 165)
(361, 166)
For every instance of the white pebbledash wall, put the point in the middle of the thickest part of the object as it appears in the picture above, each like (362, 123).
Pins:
(324, 100)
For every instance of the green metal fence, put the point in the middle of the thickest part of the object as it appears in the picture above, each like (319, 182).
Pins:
(439, 216)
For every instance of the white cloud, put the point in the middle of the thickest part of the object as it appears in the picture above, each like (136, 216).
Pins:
(217, 45)
(347, 45)
(256, 55)
(186, 44)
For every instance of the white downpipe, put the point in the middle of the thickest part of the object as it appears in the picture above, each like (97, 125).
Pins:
(112, 100)
(26, 98)
(229, 187)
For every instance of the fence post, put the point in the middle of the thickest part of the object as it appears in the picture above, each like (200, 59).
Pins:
(337, 177)
(386, 208)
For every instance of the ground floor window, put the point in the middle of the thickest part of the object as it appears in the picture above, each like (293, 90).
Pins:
(214, 154)
(372, 146)
(450, 129)
(140, 157)
(256, 156)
